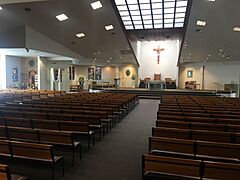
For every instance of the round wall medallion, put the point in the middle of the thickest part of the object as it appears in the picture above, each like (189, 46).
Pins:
(31, 63)
(128, 72)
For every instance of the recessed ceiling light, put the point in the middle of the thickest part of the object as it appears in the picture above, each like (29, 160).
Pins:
(201, 23)
(79, 35)
(96, 5)
(109, 27)
(237, 29)
(62, 17)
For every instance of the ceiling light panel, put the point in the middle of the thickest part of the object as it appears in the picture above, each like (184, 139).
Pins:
(201, 23)
(142, 13)
(62, 17)
(79, 35)
(96, 5)
(237, 29)
(109, 27)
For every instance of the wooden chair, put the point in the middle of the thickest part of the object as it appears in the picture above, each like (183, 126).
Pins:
(157, 77)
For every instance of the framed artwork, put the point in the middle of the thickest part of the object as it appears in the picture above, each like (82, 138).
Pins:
(90, 73)
(15, 74)
(98, 73)
(189, 73)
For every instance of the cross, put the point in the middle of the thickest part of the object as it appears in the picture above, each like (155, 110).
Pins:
(158, 50)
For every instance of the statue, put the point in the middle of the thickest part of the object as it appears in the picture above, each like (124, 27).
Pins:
(81, 82)
(158, 50)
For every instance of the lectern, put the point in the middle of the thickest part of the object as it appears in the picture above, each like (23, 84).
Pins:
(117, 82)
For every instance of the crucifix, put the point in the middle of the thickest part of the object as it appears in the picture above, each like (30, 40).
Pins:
(158, 50)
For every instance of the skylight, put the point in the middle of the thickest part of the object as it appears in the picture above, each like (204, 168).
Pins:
(152, 14)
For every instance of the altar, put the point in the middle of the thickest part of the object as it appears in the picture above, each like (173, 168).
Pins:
(157, 85)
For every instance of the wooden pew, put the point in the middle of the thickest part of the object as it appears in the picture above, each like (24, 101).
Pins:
(79, 128)
(170, 166)
(5, 174)
(171, 144)
(23, 134)
(192, 125)
(202, 150)
(225, 137)
(53, 137)
(5, 150)
(221, 171)
(61, 138)
(36, 152)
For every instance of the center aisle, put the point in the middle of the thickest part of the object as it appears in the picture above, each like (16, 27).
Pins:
(118, 155)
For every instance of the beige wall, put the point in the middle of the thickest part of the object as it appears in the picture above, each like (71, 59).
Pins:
(222, 73)
(197, 75)
(108, 75)
(26, 68)
(126, 81)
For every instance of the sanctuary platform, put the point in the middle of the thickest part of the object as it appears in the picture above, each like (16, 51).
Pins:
(144, 93)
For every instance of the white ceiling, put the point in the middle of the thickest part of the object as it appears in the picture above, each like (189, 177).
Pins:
(18, 1)
(99, 45)
(204, 46)
(221, 16)
(22, 52)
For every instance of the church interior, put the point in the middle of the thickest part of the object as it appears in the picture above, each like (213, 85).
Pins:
(119, 89)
